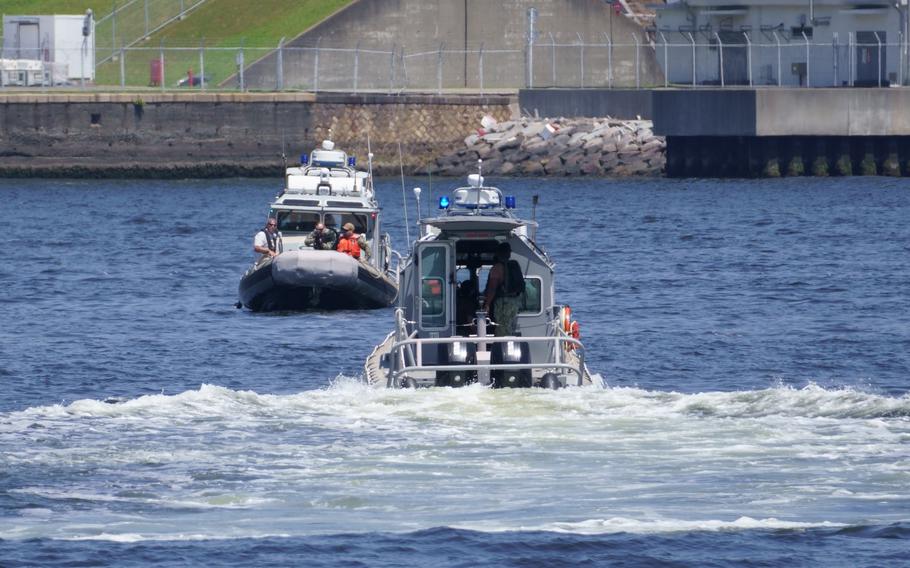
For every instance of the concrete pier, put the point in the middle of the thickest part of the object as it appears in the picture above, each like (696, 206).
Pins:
(784, 132)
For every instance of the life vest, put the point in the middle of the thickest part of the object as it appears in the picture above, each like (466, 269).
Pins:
(349, 245)
(513, 283)
(272, 240)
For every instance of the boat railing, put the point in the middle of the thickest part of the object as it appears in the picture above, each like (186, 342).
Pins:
(405, 353)
(392, 254)
(408, 350)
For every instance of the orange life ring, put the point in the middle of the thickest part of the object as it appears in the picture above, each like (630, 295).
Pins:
(575, 330)
(565, 318)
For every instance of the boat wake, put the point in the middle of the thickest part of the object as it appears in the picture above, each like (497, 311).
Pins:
(349, 458)
(348, 394)
(618, 525)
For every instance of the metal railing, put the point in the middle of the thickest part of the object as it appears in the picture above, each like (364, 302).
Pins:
(417, 365)
(681, 60)
(735, 59)
(407, 349)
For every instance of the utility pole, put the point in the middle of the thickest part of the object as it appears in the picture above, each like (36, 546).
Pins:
(532, 24)
(612, 9)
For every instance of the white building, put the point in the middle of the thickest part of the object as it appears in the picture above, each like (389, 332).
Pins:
(816, 43)
(52, 39)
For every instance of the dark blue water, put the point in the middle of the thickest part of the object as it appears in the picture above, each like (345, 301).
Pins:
(719, 313)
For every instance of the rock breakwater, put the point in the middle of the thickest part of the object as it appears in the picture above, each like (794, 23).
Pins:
(558, 147)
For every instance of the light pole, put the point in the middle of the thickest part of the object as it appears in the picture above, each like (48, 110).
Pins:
(610, 47)
(87, 22)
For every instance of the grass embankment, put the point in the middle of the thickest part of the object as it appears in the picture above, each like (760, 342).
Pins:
(62, 7)
(223, 25)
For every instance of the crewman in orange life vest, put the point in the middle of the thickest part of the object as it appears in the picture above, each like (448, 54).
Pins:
(351, 243)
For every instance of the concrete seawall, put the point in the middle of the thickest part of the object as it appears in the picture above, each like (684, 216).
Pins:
(705, 133)
(224, 134)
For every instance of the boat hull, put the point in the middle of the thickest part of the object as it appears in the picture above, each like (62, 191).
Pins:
(315, 280)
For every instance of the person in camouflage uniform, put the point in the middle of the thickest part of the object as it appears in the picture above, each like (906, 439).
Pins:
(500, 295)
(321, 238)
(345, 242)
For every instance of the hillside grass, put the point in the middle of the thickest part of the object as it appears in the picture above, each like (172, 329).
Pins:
(256, 25)
(51, 7)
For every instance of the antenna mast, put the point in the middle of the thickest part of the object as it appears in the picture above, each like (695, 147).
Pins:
(479, 184)
(404, 198)
(370, 163)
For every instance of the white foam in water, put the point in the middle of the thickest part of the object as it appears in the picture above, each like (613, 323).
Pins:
(350, 458)
(623, 525)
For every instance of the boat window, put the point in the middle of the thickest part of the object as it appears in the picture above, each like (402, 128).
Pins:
(432, 287)
(297, 221)
(362, 222)
(530, 300)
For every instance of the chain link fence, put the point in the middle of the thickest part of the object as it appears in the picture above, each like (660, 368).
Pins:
(681, 61)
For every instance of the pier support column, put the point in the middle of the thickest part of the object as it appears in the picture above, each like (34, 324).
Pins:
(675, 157)
(708, 160)
(754, 156)
(844, 164)
(796, 167)
(820, 162)
(867, 167)
(892, 164)
(771, 167)
(690, 157)
(728, 151)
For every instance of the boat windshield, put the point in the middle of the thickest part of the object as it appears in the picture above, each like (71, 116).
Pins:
(297, 221)
(363, 222)
(291, 221)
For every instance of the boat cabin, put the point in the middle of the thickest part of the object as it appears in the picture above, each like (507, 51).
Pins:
(443, 337)
(326, 188)
(327, 171)
(444, 281)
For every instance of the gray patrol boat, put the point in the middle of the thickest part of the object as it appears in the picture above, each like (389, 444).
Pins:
(325, 188)
(442, 337)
